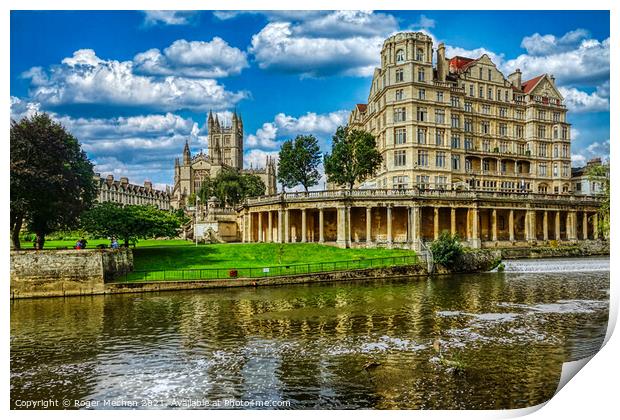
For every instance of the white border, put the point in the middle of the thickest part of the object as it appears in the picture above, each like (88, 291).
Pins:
(593, 393)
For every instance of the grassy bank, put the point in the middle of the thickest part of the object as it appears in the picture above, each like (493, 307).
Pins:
(248, 255)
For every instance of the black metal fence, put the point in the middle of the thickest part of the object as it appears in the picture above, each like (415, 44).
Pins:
(268, 271)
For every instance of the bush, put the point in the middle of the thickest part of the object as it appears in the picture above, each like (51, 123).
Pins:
(447, 250)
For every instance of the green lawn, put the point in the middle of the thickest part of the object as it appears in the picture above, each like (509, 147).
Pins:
(248, 255)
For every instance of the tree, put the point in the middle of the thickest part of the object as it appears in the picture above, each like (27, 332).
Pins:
(600, 173)
(447, 250)
(130, 222)
(231, 187)
(51, 178)
(286, 162)
(354, 157)
(252, 185)
(298, 162)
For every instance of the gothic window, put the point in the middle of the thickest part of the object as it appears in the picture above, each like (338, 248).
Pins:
(400, 56)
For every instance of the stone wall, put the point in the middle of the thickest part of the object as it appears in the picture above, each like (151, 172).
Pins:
(333, 276)
(66, 272)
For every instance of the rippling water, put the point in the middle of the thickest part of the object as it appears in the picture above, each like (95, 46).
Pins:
(502, 339)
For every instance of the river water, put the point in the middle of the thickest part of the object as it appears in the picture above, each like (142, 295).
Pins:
(484, 341)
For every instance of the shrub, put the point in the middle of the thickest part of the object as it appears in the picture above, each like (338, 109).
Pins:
(447, 250)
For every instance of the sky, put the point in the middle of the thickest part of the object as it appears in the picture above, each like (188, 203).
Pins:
(133, 86)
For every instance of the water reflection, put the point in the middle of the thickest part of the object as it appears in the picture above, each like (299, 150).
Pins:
(312, 345)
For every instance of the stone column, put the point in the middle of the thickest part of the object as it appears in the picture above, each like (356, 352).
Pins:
(585, 225)
(269, 227)
(341, 222)
(287, 229)
(280, 225)
(415, 227)
(494, 225)
(244, 236)
(303, 225)
(389, 224)
(321, 234)
(348, 226)
(250, 231)
(557, 226)
(545, 226)
(595, 225)
(452, 221)
(368, 225)
(260, 227)
(436, 223)
(571, 221)
(472, 220)
(511, 225)
(530, 231)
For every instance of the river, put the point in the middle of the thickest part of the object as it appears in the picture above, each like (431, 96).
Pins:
(484, 341)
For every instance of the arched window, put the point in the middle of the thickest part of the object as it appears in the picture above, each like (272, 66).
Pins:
(400, 56)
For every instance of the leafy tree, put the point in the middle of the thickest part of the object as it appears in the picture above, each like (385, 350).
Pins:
(354, 157)
(298, 162)
(286, 165)
(231, 187)
(130, 222)
(447, 250)
(51, 178)
(600, 173)
(252, 185)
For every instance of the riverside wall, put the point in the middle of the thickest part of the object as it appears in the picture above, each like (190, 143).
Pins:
(42, 273)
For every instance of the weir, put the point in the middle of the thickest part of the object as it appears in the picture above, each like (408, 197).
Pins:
(557, 265)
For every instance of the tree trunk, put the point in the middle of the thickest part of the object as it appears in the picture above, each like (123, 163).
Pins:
(15, 229)
(40, 240)
(126, 239)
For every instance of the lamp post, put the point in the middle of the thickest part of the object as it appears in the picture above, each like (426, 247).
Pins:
(196, 219)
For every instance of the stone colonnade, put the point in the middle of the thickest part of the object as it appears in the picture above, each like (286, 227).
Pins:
(408, 225)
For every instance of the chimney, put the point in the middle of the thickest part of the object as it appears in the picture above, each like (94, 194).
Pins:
(124, 180)
(441, 62)
(148, 185)
(515, 79)
(552, 77)
(109, 179)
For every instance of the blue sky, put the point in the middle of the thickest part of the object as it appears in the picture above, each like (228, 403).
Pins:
(133, 86)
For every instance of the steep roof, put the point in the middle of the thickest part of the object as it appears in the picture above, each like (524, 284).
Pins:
(530, 84)
(458, 63)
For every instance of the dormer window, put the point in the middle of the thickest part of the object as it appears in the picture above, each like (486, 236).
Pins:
(400, 56)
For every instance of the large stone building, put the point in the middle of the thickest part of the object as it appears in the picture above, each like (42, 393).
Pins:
(225, 151)
(462, 123)
(465, 150)
(122, 192)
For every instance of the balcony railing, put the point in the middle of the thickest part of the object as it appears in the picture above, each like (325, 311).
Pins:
(412, 193)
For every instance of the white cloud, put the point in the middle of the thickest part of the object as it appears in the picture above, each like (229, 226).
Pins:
(264, 137)
(538, 44)
(311, 123)
(193, 59)
(323, 44)
(424, 22)
(271, 134)
(578, 160)
(168, 17)
(256, 158)
(587, 62)
(85, 78)
(21, 109)
(580, 101)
